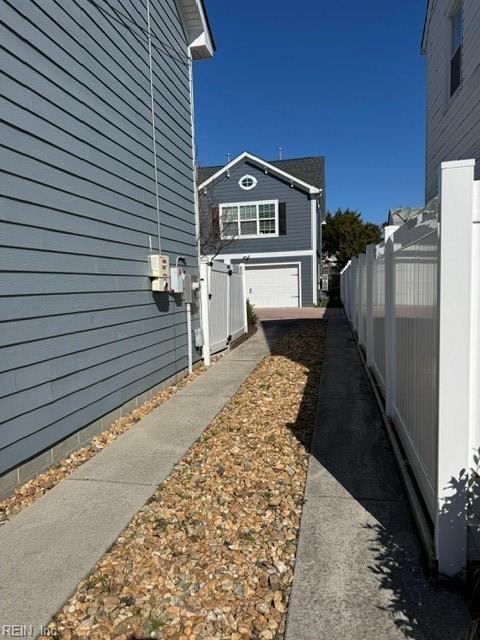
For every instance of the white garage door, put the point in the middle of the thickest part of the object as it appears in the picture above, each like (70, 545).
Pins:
(273, 286)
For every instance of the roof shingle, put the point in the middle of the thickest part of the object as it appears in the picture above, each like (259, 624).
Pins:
(309, 169)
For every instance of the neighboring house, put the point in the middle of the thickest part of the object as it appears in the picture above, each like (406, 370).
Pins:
(401, 215)
(89, 187)
(451, 43)
(268, 215)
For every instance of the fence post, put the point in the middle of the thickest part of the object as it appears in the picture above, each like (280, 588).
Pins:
(229, 304)
(350, 290)
(362, 261)
(389, 326)
(244, 294)
(371, 255)
(354, 294)
(454, 363)
(204, 313)
(390, 353)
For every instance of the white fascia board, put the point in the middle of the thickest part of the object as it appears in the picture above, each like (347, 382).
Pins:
(314, 252)
(200, 42)
(312, 190)
(264, 254)
(426, 28)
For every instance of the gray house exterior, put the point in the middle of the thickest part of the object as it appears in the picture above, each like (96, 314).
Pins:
(280, 206)
(451, 45)
(89, 188)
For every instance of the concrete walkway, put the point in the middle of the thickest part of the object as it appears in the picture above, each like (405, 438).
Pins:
(291, 313)
(49, 547)
(358, 574)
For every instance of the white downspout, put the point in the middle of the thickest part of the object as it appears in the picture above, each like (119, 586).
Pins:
(188, 307)
(154, 134)
(196, 209)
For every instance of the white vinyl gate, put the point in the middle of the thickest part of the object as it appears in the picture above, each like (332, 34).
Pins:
(414, 304)
(223, 305)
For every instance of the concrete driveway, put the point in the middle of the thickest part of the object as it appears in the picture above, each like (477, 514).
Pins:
(292, 313)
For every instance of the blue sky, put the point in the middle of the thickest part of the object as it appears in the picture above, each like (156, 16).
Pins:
(339, 79)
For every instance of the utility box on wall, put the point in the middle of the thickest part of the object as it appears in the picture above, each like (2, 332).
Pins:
(159, 271)
(177, 278)
(192, 284)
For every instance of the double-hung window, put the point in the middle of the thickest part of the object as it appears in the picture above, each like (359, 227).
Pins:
(249, 219)
(456, 21)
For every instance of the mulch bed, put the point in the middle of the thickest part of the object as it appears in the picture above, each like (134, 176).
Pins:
(211, 555)
(28, 493)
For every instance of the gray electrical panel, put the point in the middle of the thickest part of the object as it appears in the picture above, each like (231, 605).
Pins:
(190, 288)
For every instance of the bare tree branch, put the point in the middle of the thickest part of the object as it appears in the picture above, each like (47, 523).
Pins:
(210, 228)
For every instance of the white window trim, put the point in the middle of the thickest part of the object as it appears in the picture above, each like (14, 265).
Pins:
(247, 204)
(252, 186)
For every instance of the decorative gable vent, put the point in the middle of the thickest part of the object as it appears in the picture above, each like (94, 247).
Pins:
(247, 182)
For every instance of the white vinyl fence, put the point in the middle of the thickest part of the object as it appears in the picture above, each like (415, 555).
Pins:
(414, 303)
(223, 305)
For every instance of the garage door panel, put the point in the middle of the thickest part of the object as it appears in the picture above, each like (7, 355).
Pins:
(273, 286)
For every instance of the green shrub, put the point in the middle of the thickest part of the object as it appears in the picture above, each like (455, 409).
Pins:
(252, 317)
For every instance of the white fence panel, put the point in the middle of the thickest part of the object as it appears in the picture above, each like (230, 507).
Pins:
(415, 309)
(218, 308)
(223, 304)
(237, 302)
(415, 318)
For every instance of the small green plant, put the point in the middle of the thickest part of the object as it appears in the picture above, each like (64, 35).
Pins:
(154, 624)
(252, 317)
(92, 582)
(160, 524)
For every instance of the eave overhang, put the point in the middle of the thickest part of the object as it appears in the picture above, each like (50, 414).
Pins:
(197, 28)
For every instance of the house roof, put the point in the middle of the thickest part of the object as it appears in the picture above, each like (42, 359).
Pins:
(209, 26)
(197, 26)
(309, 171)
(400, 215)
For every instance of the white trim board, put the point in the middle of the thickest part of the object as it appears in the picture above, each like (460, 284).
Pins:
(263, 165)
(282, 264)
(314, 252)
(195, 22)
(265, 254)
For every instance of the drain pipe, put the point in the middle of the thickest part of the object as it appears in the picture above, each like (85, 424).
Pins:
(154, 133)
(189, 336)
(196, 207)
(188, 309)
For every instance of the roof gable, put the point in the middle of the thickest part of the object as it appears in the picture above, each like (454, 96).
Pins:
(306, 173)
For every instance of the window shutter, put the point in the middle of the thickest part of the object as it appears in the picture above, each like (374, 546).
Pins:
(215, 222)
(282, 218)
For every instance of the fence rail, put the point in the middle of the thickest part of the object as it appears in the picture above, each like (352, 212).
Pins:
(414, 304)
(223, 305)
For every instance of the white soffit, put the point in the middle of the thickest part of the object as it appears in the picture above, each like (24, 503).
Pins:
(200, 41)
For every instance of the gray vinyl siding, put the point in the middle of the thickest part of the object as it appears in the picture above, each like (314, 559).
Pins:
(453, 123)
(306, 273)
(298, 235)
(80, 331)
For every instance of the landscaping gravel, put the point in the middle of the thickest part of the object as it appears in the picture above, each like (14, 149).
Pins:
(27, 493)
(212, 553)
